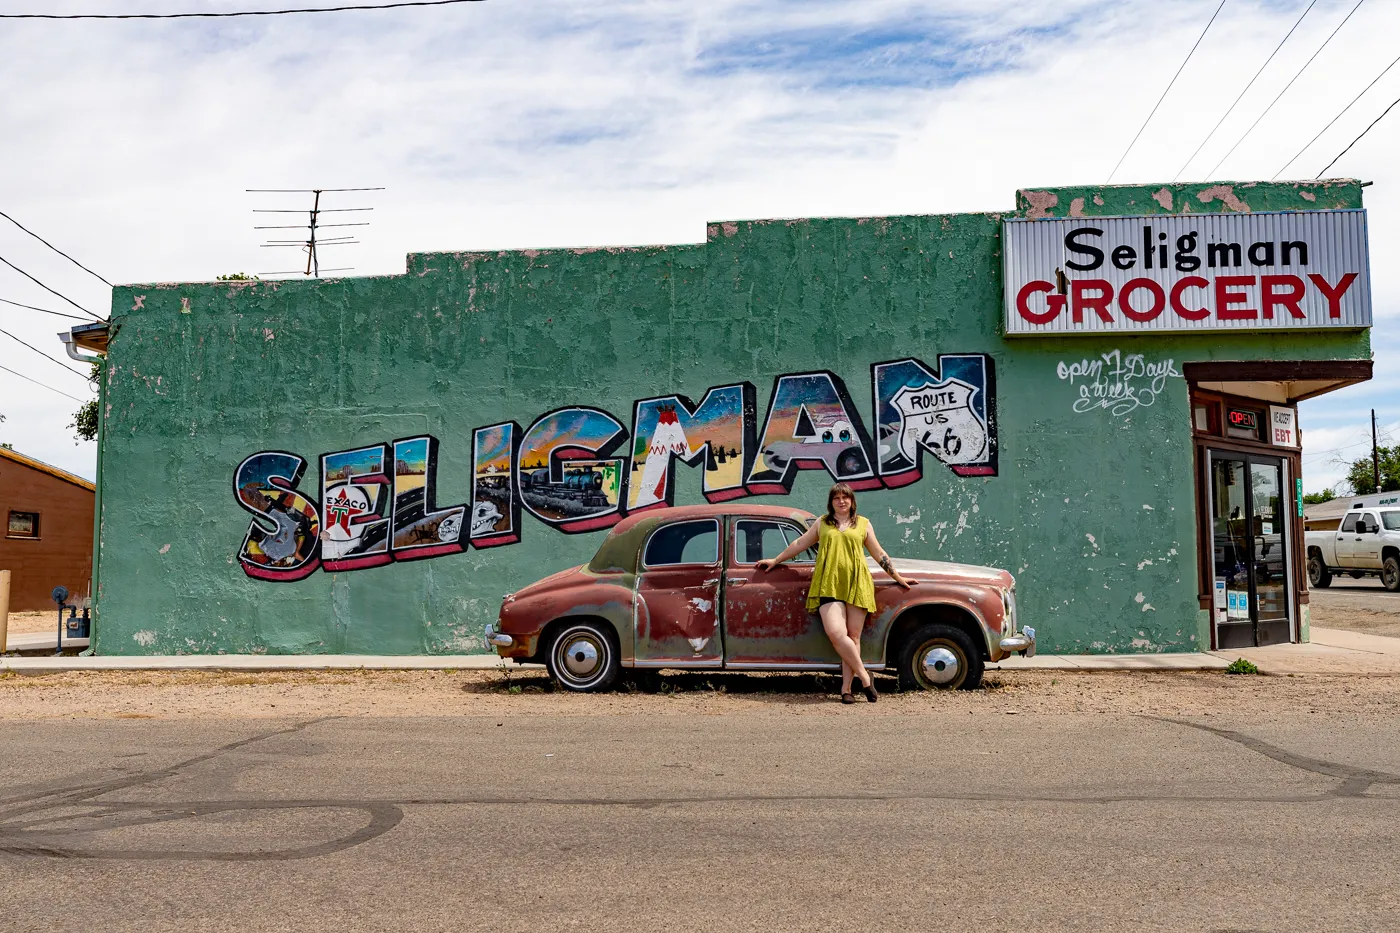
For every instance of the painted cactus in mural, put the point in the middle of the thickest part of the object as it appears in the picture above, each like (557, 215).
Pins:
(377, 502)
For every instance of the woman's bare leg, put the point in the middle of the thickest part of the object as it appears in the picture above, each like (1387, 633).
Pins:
(833, 616)
(855, 626)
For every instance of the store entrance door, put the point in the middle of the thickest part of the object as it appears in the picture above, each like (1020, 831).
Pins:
(1253, 557)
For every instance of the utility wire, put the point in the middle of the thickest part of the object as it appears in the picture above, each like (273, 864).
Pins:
(54, 248)
(314, 9)
(1166, 92)
(1338, 117)
(71, 317)
(1358, 139)
(1295, 77)
(1246, 90)
(44, 355)
(38, 383)
(50, 290)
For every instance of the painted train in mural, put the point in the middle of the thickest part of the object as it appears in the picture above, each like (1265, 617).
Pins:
(571, 471)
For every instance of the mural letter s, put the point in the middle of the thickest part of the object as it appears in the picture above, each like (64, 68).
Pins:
(283, 542)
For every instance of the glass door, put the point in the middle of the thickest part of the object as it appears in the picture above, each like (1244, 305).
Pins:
(1249, 522)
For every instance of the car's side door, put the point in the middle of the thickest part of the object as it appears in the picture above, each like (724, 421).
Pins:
(1348, 541)
(677, 612)
(1367, 546)
(766, 622)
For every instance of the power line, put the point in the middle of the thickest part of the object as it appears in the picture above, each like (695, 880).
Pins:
(1246, 89)
(71, 317)
(54, 248)
(38, 383)
(53, 359)
(1166, 92)
(1285, 89)
(314, 9)
(1337, 117)
(49, 290)
(1358, 139)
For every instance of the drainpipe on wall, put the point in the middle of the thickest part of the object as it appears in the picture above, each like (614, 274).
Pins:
(92, 337)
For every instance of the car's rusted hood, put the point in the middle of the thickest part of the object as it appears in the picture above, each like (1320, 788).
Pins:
(946, 571)
(555, 581)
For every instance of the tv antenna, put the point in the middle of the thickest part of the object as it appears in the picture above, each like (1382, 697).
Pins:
(312, 242)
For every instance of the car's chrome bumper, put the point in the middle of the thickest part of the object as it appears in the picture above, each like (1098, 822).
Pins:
(1023, 642)
(495, 639)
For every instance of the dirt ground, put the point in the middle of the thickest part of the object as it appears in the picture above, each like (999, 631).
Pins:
(27, 623)
(223, 695)
(1357, 606)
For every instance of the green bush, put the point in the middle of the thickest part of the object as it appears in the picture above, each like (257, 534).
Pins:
(1241, 666)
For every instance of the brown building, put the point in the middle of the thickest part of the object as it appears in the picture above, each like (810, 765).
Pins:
(48, 531)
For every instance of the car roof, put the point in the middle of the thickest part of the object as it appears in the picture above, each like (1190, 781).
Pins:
(619, 549)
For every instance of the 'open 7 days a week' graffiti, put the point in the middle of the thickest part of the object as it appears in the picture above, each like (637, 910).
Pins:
(573, 470)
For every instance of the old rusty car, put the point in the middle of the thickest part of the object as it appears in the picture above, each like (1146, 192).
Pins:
(677, 588)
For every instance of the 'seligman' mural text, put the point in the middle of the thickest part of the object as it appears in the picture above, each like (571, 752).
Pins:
(573, 469)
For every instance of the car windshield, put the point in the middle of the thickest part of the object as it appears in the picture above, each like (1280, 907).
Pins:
(1391, 520)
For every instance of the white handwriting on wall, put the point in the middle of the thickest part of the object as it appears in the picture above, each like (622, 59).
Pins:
(1116, 383)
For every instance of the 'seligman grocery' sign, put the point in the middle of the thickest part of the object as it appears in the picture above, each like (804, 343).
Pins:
(1188, 272)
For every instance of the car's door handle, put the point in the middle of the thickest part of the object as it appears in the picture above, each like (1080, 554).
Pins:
(710, 582)
(735, 581)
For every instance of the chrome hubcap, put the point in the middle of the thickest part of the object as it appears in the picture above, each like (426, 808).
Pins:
(939, 665)
(581, 656)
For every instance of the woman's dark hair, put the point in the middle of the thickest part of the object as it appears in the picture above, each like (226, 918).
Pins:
(840, 489)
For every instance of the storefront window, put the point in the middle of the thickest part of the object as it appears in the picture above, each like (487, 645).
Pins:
(1243, 423)
(1205, 417)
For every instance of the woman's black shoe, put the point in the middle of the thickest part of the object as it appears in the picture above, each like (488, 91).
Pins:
(871, 693)
(847, 698)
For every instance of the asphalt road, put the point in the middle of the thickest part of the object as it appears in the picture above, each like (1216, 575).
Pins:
(723, 822)
(1366, 594)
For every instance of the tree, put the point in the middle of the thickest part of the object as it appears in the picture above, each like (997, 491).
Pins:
(1362, 478)
(84, 423)
(1313, 498)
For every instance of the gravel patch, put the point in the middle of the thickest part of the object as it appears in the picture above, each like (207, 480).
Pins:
(226, 695)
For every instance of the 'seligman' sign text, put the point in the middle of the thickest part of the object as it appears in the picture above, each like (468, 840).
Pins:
(1189, 272)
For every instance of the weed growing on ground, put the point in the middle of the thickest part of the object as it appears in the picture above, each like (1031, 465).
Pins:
(1242, 666)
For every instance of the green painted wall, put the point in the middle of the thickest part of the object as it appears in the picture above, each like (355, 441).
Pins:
(1093, 513)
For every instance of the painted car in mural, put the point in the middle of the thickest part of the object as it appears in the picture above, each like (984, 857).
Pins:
(677, 588)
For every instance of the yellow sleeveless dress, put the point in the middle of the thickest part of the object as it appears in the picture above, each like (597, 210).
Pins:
(841, 572)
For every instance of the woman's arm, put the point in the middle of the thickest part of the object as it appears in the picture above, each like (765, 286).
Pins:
(809, 538)
(881, 557)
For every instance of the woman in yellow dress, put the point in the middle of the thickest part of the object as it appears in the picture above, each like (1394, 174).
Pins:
(842, 591)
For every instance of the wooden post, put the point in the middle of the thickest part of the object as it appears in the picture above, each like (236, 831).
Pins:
(4, 609)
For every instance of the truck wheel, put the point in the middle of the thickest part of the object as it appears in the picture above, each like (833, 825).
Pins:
(1390, 573)
(939, 657)
(1319, 577)
(583, 658)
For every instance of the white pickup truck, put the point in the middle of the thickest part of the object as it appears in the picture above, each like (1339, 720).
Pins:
(1368, 542)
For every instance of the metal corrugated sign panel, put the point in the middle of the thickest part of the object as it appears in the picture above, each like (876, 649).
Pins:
(1169, 273)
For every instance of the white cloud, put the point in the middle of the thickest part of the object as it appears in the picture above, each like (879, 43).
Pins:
(569, 122)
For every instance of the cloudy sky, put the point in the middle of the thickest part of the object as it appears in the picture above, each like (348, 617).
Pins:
(515, 123)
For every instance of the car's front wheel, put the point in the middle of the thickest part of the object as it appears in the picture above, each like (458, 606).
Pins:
(1390, 573)
(939, 657)
(583, 657)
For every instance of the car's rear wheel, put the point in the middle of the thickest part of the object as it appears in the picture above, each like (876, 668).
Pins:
(1319, 577)
(583, 657)
(939, 657)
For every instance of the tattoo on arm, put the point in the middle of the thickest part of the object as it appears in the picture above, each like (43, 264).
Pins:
(887, 565)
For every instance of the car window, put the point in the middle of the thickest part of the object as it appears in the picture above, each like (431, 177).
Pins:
(756, 540)
(1391, 520)
(1371, 524)
(807, 556)
(684, 543)
(1349, 523)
